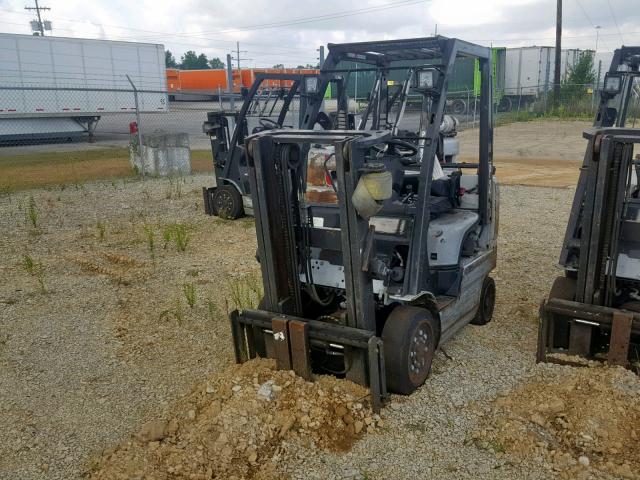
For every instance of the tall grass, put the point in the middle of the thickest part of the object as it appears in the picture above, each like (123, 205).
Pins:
(178, 233)
(246, 291)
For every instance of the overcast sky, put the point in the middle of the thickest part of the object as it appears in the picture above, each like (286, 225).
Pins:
(287, 31)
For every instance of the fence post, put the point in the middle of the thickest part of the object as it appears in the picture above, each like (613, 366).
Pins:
(135, 98)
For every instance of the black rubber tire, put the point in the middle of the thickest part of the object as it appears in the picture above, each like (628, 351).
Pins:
(227, 202)
(563, 288)
(458, 107)
(409, 337)
(505, 104)
(487, 302)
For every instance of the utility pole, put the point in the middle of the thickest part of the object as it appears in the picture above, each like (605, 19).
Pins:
(230, 82)
(37, 8)
(238, 52)
(556, 73)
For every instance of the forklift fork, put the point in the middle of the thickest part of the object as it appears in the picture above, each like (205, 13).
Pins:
(292, 340)
(583, 319)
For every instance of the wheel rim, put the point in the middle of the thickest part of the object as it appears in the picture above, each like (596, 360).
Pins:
(419, 354)
(223, 203)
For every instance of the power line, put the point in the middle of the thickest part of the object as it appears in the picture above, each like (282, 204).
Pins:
(584, 12)
(615, 21)
(327, 16)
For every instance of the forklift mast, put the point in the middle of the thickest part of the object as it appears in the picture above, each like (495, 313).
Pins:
(594, 311)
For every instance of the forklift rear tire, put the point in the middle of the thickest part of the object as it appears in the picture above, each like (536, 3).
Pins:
(409, 337)
(487, 302)
(227, 202)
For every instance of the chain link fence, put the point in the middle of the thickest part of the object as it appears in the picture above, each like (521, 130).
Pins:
(39, 118)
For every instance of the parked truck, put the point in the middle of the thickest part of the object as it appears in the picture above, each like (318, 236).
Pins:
(56, 87)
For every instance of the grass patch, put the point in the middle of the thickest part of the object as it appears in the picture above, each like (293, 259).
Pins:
(178, 234)
(246, 291)
(41, 169)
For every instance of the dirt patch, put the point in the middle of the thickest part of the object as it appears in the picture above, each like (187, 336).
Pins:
(578, 422)
(548, 139)
(537, 172)
(234, 425)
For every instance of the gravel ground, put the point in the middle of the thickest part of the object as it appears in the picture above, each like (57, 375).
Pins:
(106, 349)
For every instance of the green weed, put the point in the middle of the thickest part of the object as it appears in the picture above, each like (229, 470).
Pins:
(32, 212)
(150, 235)
(175, 312)
(35, 269)
(246, 291)
(177, 233)
(189, 291)
(102, 229)
(212, 310)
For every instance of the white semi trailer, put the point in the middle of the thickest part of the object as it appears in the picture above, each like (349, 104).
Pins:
(55, 87)
(529, 72)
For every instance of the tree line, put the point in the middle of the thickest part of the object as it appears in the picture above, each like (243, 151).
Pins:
(191, 61)
(194, 61)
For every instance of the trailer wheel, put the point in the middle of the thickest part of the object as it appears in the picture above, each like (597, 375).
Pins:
(487, 302)
(458, 107)
(505, 104)
(409, 336)
(227, 202)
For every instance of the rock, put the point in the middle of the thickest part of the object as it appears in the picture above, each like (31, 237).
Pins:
(584, 461)
(252, 455)
(210, 389)
(341, 410)
(357, 426)
(538, 419)
(152, 431)
(266, 390)
(348, 419)
(191, 414)
(172, 427)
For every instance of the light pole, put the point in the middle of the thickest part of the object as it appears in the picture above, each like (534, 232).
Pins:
(597, 27)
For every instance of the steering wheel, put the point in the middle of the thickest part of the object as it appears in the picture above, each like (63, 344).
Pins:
(401, 148)
(268, 124)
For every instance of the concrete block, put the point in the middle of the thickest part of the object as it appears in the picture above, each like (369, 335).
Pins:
(163, 154)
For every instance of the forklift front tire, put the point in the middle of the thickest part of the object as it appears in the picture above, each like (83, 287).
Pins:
(409, 337)
(227, 202)
(487, 302)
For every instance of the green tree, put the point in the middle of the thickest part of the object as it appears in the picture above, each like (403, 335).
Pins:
(579, 78)
(216, 63)
(170, 60)
(192, 61)
(279, 65)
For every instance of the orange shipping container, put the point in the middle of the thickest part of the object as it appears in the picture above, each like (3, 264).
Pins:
(213, 81)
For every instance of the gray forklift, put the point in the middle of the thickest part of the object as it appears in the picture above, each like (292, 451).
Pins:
(367, 287)
(593, 310)
(266, 105)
